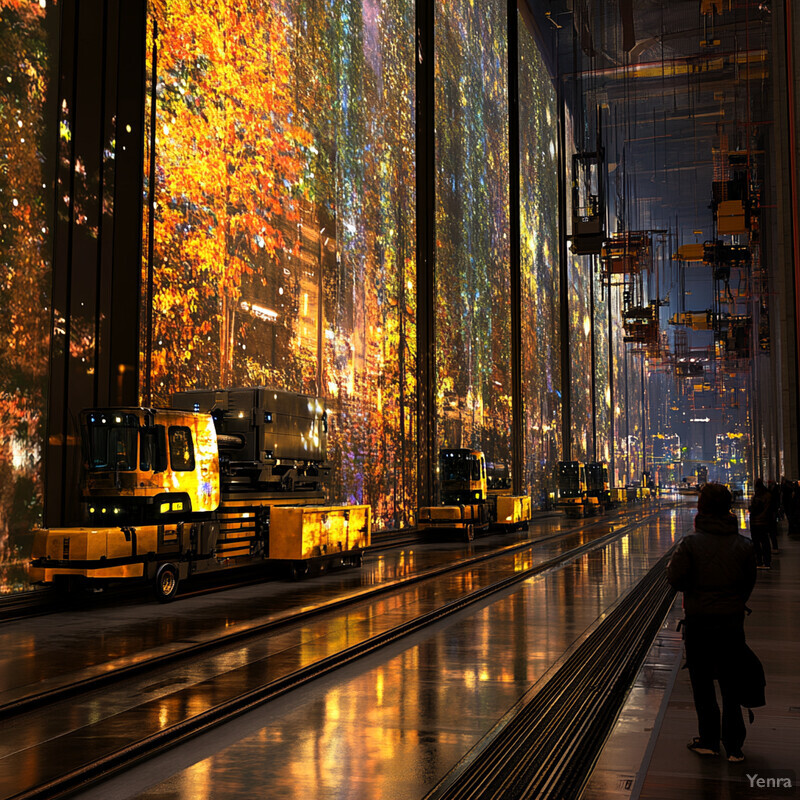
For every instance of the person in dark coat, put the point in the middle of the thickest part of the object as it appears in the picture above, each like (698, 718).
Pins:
(774, 512)
(760, 514)
(792, 505)
(715, 568)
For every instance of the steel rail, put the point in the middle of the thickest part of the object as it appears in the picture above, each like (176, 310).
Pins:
(83, 776)
(30, 702)
(37, 602)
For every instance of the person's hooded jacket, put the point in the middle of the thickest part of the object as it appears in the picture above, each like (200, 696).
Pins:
(714, 567)
(760, 509)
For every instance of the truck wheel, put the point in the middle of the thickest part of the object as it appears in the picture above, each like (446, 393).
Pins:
(298, 570)
(166, 582)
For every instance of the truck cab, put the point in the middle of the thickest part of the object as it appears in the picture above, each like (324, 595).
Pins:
(145, 466)
(462, 475)
(597, 487)
(572, 487)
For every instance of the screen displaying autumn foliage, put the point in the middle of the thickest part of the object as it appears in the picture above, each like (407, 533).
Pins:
(580, 348)
(539, 264)
(602, 374)
(281, 244)
(473, 282)
(26, 50)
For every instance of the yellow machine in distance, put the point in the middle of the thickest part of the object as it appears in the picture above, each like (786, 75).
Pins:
(572, 487)
(696, 320)
(584, 489)
(468, 502)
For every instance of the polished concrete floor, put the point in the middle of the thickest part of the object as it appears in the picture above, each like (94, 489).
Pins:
(393, 724)
(646, 757)
(105, 634)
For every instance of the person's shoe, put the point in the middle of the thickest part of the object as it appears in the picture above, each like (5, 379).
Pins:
(696, 746)
(736, 757)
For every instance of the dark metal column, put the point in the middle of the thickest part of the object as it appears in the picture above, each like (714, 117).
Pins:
(791, 96)
(57, 413)
(426, 252)
(517, 417)
(123, 351)
(97, 234)
(593, 356)
(563, 283)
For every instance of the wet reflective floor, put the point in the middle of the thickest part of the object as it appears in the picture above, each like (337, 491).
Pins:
(43, 652)
(646, 757)
(392, 724)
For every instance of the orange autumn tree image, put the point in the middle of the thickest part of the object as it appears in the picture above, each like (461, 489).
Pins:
(229, 185)
(25, 274)
(281, 165)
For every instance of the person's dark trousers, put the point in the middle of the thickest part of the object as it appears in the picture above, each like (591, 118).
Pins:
(760, 536)
(713, 644)
(773, 534)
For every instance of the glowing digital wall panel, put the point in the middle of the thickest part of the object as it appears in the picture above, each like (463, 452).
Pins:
(580, 348)
(284, 225)
(602, 376)
(539, 263)
(473, 292)
(26, 51)
(628, 407)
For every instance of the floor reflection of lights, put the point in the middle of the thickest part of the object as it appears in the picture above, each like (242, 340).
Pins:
(394, 725)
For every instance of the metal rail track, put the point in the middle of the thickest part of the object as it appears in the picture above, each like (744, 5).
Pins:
(546, 747)
(83, 776)
(106, 678)
(37, 602)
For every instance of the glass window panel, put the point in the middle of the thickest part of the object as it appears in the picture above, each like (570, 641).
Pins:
(284, 234)
(539, 264)
(181, 449)
(28, 53)
(473, 294)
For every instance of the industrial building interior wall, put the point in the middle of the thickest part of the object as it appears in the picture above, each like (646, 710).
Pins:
(280, 247)
(780, 372)
(276, 248)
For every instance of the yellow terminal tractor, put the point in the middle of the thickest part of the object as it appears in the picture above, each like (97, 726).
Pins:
(598, 491)
(471, 498)
(168, 493)
(572, 489)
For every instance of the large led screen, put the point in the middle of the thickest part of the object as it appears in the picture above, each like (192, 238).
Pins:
(473, 290)
(27, 52)
(281, 245)
(539, 264)
(628, 406)
(580, 349)
(602, 375)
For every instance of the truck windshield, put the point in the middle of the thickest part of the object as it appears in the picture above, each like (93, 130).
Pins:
(454, 469)
(112, 442)
(569, 484)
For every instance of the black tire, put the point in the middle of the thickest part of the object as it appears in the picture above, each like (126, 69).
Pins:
(165, 584)
(298, 570)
